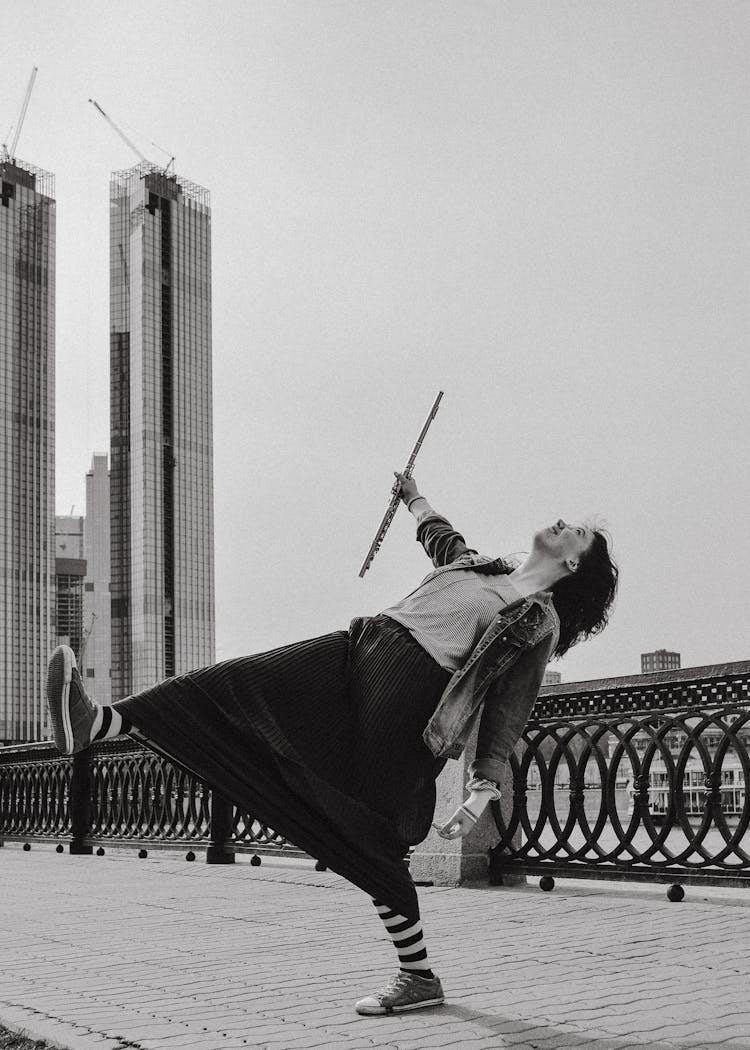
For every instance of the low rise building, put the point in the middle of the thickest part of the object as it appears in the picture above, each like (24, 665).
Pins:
(659, 660)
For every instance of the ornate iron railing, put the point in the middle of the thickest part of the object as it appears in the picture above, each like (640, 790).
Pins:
(34, 792)
(630, 778)
(121, 793)
(638, 778)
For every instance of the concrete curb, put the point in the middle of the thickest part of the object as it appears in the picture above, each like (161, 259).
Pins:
(57, 1033)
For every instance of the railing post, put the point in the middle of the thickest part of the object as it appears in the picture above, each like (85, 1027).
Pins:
(454, 862)
(80, 803)
(221, 850)
(513, 800)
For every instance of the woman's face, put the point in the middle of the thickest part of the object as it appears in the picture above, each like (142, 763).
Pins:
(563, 542)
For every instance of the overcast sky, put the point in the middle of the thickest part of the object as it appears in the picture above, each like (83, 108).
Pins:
(539, 208)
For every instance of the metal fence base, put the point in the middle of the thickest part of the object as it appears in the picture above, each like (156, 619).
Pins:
(80, 849)
(219, 855)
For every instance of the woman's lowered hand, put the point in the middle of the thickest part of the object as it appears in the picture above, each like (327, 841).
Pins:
(465, 817)
(457, 826)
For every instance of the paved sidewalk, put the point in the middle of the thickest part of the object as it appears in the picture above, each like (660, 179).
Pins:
(113, 952)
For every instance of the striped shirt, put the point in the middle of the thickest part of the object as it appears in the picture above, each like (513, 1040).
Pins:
(450, 611)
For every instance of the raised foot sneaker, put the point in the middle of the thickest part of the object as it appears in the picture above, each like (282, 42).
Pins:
(403, 992)
(71, 711)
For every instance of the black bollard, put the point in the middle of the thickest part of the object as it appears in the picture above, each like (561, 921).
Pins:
(221, 850)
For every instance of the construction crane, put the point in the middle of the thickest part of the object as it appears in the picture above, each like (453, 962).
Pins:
(9, 152)
(126, 140)
(119, 131)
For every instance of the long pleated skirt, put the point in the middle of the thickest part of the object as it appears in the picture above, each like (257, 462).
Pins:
(320, 740)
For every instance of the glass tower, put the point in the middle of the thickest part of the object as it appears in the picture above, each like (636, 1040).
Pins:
(27, 446)
(161, 468)
(95, 660)
(70, 569)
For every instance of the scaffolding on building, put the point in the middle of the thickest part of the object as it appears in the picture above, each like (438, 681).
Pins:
(21, 173)
(161, 182)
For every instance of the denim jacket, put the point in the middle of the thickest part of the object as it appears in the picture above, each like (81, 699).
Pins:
(500, 681)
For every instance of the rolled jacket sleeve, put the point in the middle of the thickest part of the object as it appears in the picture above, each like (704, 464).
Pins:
(507, 707)
(440, 540)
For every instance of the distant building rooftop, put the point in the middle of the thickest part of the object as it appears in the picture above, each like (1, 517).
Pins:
(659, 660)
(685, 674)
(167, 184)
(692, 687)
(20, 173)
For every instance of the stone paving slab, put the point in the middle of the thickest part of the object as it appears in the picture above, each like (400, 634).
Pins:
(117, 953)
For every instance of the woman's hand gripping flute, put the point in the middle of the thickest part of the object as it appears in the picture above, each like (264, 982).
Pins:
(467, 814)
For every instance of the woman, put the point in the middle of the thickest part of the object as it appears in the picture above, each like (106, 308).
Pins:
(336, 742)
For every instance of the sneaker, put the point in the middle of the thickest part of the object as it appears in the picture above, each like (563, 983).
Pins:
(405, 991)
(71, 711)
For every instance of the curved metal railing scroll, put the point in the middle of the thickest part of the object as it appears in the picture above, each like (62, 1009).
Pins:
(34, 792)
(658, 794)
(141, 797)
(135, 797)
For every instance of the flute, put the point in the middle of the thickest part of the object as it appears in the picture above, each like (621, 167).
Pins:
(396, 490)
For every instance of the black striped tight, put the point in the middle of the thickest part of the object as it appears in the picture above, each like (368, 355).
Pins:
(408, 940)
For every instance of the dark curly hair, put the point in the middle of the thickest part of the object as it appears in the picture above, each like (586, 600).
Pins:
(583, 599)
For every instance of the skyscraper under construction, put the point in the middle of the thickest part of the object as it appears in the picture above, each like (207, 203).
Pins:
(162, 583)
(27, 445)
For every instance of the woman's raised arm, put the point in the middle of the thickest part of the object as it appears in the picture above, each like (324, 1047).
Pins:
(436, 534)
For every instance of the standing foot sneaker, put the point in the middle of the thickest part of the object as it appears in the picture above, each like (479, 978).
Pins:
(71, 711)
(405, 991)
